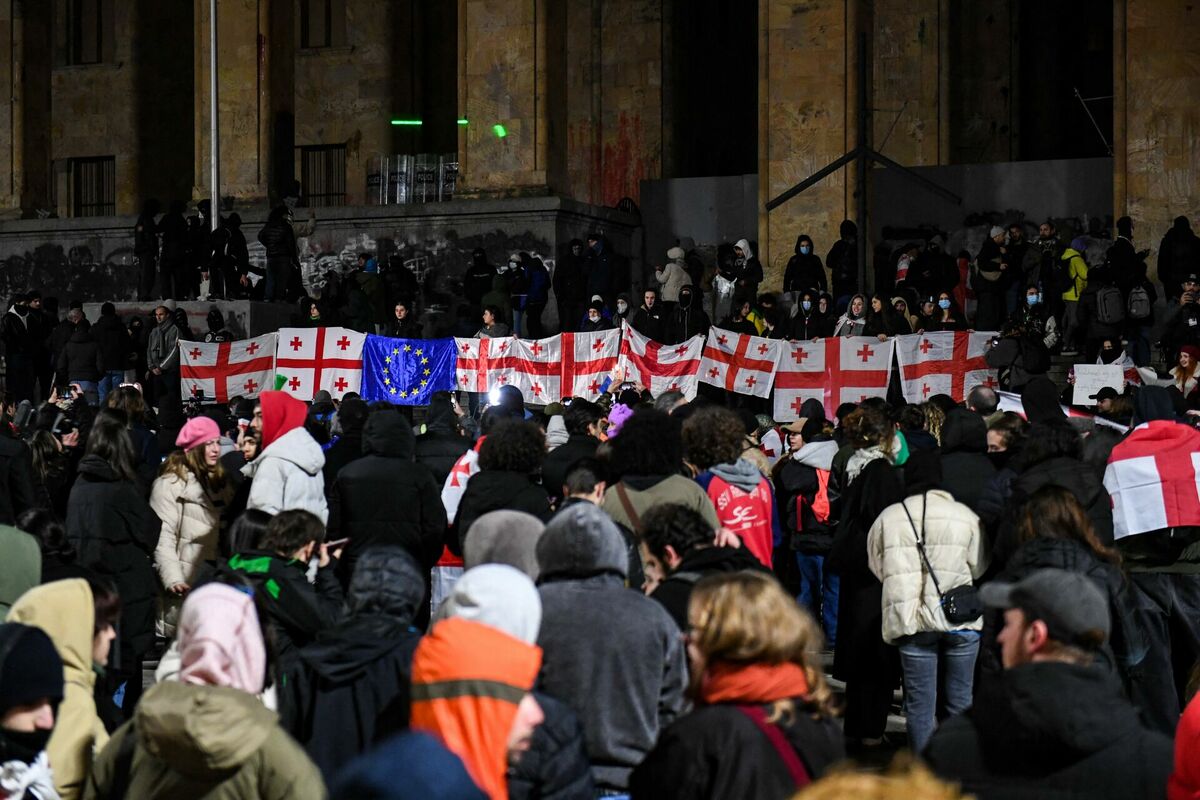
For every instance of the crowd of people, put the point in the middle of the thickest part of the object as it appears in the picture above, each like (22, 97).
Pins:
(640, 596)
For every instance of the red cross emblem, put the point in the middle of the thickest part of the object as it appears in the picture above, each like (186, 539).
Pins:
(722, 340)
(865, 353)
(597, 345)
(341, 384)
(714, 372)
(502, 379)
(296, 343)
(466, 348)
(797, 404)
(926, 346)
(536, 389)
(536, 349)
(195, 353)
(594, 387)
(681, 350)
(798, 355)
(294, 383)
(252, 348)
(751, 381)
(990, 382)
(343, 342)
(503, 346)
(465, 380)
(762, 349)
(251, 386)
(924, 389)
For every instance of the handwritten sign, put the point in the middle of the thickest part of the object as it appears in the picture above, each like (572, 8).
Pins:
(1091, 378)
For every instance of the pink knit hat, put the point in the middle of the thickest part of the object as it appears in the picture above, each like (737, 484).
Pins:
(221, 640)
(197, 431)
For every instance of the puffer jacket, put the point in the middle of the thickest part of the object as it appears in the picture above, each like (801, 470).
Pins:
(204, 741)
(671, 277)
(191, 526)
(65, 610)
(288, 475)
(955, 549)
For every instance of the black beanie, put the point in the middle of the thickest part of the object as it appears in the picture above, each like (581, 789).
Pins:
(30, 667)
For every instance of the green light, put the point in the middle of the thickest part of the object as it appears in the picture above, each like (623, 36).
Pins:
(406, 122)
(499, 131)
(462, 122)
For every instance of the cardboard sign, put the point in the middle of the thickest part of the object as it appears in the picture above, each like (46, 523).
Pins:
(1091, 378)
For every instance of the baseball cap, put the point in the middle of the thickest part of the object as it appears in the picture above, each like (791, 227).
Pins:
(1191, 278)
(1070, 604)
(1105, 393)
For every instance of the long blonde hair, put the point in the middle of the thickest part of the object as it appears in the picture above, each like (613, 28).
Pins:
(181, 463)
(747, 618)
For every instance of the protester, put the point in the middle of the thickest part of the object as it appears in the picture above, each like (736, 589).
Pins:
(966, 469)
(509, 460)
(1052, 725)
(287, 472)
(804, 271)
(442, 442)
(585, 423)
(31, 674)
(624, 681)
(853, 322)
(689, 318)
(763, 724)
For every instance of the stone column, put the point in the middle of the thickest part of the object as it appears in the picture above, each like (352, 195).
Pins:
(909, 79)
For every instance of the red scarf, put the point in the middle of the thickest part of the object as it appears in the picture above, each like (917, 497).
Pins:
(727, 682)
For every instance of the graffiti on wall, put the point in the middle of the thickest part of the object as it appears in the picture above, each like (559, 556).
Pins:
(77, 272)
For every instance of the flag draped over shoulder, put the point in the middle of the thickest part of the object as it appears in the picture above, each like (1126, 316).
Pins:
(407, 371)
(1152, 478)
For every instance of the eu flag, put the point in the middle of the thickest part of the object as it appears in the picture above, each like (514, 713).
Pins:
(407, 371)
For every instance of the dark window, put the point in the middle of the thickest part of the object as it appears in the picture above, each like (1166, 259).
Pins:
(323, 174)
(322, 23)
(93, 186)
(85, 32)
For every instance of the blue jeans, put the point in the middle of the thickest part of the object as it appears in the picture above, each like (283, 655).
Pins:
(90, 391)
(819, 593)
(109, 381)
(1139, 345)
(920, 656)
(518, 317)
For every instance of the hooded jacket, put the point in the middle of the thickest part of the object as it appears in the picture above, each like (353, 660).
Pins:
(795, 477)
(1076, 477)
(625, 681)
(1052, 730)
(478, 279)
(852, 326)
(570, 280)
(204, 741)
(966, 469)
(561, 459)
(287, 474)
(115, 343)
(1077, 274)
(386, 498)
(162, 348)
(671, 277)
(751, 273)
(351, 684)
(21, 567)
(675, 591)
(115, 533)
(804, 271)
(81, 359)
(745, 504)
(441, 444)
(689, 319)
(16, 479)
(493, 490)
(65, 610)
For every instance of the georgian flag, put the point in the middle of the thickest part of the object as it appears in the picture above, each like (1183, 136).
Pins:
(835, 371)
(738, 362)
(484, 364)
(588, 360)
(312, 359)
(227, 369)
(943, 362)
(1153, 476)
(660, 367)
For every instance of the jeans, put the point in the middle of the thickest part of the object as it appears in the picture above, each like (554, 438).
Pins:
(518, 316)
(1070, 337)
(819, 593)
(109, 381)
(90, 391)
(920, 656)
(1139, 344)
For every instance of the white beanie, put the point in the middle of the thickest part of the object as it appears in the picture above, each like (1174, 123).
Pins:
(676, 254)
(500, 596)
(996, 231)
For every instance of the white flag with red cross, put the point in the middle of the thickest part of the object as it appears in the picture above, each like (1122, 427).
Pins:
(227, 369)
(1153, 477)
(834, 371)
(484, 364)
(943, 362)
(738, 362)
(312, 359)
(588, 360)
(538, 369)
(660, 367)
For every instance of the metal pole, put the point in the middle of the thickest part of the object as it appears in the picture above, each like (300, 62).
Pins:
(862, 148)
(215, 158)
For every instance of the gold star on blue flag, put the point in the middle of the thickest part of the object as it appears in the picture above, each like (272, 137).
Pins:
(407, 372)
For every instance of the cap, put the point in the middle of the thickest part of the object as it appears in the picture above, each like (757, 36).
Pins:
(1070, 604)
(1191, 277)
(1105, 393)
(196, 432)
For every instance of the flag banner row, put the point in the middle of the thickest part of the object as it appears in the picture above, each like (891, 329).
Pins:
(409, 371)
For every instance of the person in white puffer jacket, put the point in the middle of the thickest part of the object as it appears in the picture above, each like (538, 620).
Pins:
(286, 475)
(672, 276)
(913, 616)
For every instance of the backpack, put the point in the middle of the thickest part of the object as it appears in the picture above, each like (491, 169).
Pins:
(1035, 356)
(819, 507)
(1138, 304)
(1110, 309)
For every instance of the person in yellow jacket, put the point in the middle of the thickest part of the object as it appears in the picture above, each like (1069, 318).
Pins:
(79, 619)
(1077, 273)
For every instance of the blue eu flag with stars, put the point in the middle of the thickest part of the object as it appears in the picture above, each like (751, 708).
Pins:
(407, 371)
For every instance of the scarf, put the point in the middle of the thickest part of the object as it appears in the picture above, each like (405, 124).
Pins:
(859, 460)
(728, 682)
(18, 779)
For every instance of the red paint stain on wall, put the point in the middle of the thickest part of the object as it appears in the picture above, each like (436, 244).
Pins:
(624, 161)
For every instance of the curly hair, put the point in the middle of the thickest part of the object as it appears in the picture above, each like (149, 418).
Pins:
(649, 444)
(513, 445)
(867, 426)
(677, 526)
(713, 435)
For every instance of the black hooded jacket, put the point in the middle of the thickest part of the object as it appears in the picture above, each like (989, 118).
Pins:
(441, 444)
(115, 343)
(386, 498)
(676, 590)
(966, 469)
(478, 279)
(349, 688)
(804, 272)
(80, 359)
(493, 490)
(1052, 730)
(570, 279)
(688, 319)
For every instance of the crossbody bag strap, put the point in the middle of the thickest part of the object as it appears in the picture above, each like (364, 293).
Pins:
(921, 544)
(787, 753)
(627, 504)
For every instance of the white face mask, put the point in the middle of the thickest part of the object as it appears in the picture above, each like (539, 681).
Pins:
(594, 317)
(622, 306)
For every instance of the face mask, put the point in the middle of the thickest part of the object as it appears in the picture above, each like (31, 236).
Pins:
(512, 265)
(594, 317)
(1108, 355)
(943, 303)
(1033, 299)
(805, 249)
(622, 306)
(806, 305)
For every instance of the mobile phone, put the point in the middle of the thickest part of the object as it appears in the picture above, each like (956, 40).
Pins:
(336, 543)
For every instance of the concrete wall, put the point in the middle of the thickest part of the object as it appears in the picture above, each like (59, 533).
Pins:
(700, 213)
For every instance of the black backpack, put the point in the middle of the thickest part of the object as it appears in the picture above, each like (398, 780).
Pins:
(1035, 356)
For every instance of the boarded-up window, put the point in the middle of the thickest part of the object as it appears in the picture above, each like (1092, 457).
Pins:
(323, 174)
(83, 32)
(93, 186)
(322, 23)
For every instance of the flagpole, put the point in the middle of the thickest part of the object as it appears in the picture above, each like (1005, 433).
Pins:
(215, 156)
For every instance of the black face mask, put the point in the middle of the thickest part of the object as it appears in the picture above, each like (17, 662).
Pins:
(22, 746)
(1109, 355)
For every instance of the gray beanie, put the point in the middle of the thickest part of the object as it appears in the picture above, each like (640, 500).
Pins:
(500, 596)
(504, 537)
(582, 541)
(996, 231)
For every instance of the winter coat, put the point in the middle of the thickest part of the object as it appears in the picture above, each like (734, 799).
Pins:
(345, 449)
(351, 685)
(555, 767)
(650, 322)
(745, 504)
(439, 447)
(492, 490)
(1077, 273)
(81, 359)
(204, 741)
(477, 281)
(407, 328)
(569, 278)
(191, 526)
(688, 319)
(626, 681)
(804, 327)
(162, 349)
(848, 326)
(1089, 322)
(718, 752)
(412, 765)
(115, 344)
(804, 273)
(1008, 356)
(287, 475)
(954, 545)
(1051, 730)
(561, 459)
(385, 498)
(21, 567)
(1076, 477)
(646, 492)
(966, 469)
(115, 533)
(65, 611)
(675, 590)
(16, 479)
(279, 240)
(797, 477)
(671, 277)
